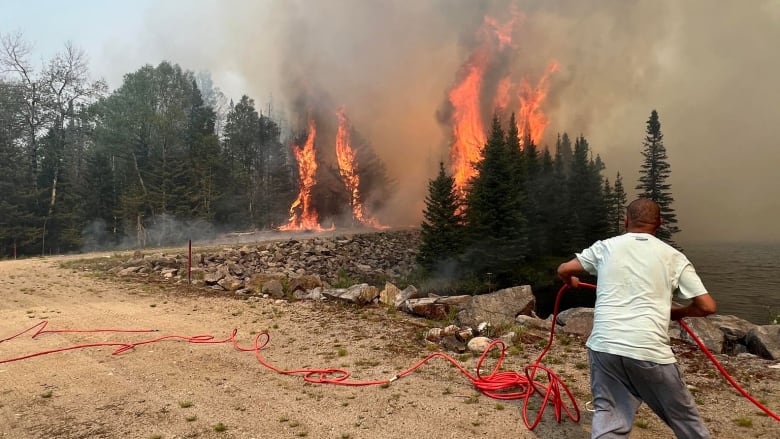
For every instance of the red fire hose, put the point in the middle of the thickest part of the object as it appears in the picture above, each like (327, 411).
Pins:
(498, 384)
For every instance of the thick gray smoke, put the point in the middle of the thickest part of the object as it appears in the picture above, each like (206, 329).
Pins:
(708, 67)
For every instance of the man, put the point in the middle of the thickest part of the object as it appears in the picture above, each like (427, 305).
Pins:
(630, 358)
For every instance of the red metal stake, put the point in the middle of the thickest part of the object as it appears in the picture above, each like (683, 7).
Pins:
(189, 264)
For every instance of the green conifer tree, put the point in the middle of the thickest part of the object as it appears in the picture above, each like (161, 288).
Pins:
(653, 177)
(496, 226)
(441, 237)
(619, 201)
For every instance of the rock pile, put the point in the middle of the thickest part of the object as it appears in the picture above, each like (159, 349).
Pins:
(350, 268)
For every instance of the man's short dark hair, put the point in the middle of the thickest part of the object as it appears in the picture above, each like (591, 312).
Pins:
(644, 212)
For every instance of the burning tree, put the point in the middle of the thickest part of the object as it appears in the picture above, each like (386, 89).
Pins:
(327, 190)
(348, 169)
(303, 216)
(477, 93)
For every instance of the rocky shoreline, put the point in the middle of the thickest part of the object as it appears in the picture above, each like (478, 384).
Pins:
(364, 269)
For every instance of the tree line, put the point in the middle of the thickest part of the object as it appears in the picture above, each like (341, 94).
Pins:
(165, 157)
(526, 206)
(160, 157)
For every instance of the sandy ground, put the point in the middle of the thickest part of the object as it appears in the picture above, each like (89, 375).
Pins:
(175, 389)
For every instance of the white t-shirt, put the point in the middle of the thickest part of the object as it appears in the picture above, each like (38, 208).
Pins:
(637, 274)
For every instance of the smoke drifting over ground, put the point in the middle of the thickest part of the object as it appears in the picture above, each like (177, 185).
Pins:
(709, 68)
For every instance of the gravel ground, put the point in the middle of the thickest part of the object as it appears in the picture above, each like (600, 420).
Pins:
(175, 389)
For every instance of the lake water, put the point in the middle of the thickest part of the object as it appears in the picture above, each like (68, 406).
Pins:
(744, 278)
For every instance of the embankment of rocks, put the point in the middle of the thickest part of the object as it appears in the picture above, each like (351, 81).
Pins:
(364, 269)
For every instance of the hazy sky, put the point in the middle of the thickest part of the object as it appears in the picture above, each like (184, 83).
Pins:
(709, 67)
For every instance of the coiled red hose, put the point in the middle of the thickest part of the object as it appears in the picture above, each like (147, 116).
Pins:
(498, 384)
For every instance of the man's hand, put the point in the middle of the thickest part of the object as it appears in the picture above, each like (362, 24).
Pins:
(567, 271)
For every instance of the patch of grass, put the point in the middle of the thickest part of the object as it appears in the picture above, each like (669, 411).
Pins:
(220, 427)
(367, 363)
(500, 406)
(744, 421)
(515, 350)
(473, 399)
(185, 404)
(342, 352)
(191, 418)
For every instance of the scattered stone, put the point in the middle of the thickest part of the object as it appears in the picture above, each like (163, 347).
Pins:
(478, 345)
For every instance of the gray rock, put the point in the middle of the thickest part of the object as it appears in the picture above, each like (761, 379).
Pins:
(578, 321)
(129, 271)
(707, 330)
(360, 294)
(764, 341)
(389, 294)
(273, 288)
(478, 345)
(498, 308)
(427, 307)
(410, 292)
(533, 322)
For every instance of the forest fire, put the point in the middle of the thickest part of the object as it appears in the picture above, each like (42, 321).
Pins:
(477, 95)
(347, 162)
(303, 216)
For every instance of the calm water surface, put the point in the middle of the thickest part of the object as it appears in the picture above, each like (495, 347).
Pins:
(744, 278)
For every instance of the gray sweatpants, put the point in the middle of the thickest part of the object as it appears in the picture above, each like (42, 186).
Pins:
(620, 385)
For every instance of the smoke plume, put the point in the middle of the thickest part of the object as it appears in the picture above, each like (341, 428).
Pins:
(709, 68)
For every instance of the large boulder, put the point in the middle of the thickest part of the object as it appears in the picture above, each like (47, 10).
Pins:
(578, 321)
(764, 341)
(735, 331)
(305, 283)
(498, 308)
(706, 329)
(389, 294)
(427, 307)
(360, 294)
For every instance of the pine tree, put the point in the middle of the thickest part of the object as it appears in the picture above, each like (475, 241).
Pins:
(496, 226)
(619, 200)
(653, 175)
(442, 229)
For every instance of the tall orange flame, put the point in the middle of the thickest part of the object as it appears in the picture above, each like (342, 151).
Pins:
(347, 162)
(531, 121)
(467, 96)
(467, 127)
(303, 216)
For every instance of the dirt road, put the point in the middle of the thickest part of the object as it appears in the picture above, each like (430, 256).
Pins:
(175, 389)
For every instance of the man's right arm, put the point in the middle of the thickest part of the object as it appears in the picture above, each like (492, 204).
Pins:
(700, 306)
(567, 271)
